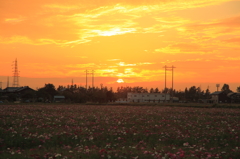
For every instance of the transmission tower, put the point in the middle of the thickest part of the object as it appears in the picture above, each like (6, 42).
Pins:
(168, 69)
(15, 75)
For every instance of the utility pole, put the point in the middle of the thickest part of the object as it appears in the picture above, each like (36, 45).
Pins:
(169, 69)
(1, 85)
(165, 82)
(87, 72)
(172, 79)
(93, 78)
(86, 78)
(165, 77)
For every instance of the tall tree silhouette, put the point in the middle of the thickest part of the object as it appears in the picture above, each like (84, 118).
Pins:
(238, 89)
(226, 88)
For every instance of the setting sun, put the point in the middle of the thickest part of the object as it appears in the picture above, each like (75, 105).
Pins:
(120, 81)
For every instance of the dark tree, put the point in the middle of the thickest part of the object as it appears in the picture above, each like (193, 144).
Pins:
(238, 89)
(156, 90)
(50, 88)
(151, 90)
(110, 96)
(226, 88)
(47, 92)
(207, 94)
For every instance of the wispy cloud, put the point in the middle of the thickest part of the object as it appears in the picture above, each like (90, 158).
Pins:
(61, 7)
(87, 65)
(185, 48)
(14, 20)
(232, 40)
(113, 59)
(27, 40)
(82, 57)
(106, 18)
(124, 64)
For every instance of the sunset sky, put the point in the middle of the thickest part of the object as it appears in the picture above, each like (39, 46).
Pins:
(55, 41)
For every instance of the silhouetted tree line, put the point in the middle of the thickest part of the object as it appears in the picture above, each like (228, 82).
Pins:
(192, 94)
(78, 94)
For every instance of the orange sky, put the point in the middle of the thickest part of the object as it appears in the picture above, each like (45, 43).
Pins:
(56, 40)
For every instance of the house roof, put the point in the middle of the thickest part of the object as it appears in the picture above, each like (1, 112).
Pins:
(230, 94)
(233, 93)
(217, 93)
(15, 89)
(11, 89)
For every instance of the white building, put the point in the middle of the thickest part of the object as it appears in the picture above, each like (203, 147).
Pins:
(148, 97)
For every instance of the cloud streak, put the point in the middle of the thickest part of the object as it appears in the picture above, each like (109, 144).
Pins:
(129, 39)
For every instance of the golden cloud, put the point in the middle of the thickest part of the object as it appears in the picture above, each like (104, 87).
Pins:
(14, 20)
(113, 59)
(61, 7)
(87, 65)
(185, 48)
(109, 18)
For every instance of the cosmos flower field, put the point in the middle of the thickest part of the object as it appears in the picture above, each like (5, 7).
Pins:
(83, 131)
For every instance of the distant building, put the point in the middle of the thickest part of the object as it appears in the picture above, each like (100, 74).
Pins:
(20, 90)
(220, 97)
(175, 99)
(148, 97)
(58, 99)
(18, 93)
(234, 97)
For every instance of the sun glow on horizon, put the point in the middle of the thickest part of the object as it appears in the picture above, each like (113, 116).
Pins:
(120, 81)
